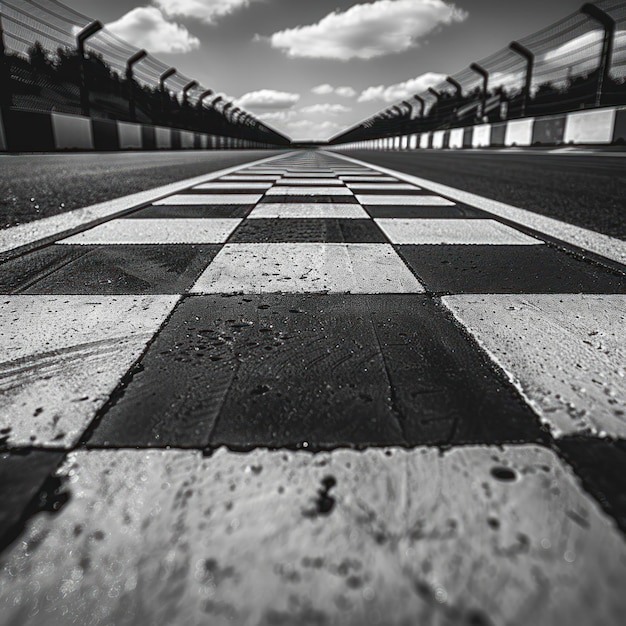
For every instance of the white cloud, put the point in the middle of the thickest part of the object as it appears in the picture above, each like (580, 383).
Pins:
(268, 99)
(366, 31)
(345, 92)
(323, 90)
(401, 91)
(277, 116)
(146, 27)
(309, 129)
(326, 89)
(325, 109)
(205, 10)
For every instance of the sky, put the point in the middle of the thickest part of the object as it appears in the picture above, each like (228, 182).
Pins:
(312, 68)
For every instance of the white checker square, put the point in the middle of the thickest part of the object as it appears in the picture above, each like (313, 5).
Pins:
(382, 186)
(368, 178)
(452, 231)
(192, 199)
(309, 191)
(64, 355)
(316, 210)
(234, 186)
(157, 231)
(413, 200)
(305, 175)
(307, 268)
(313, 182)
(251, 177)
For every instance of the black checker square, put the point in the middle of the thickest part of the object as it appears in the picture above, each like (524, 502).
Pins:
(110, 269)
(234, 189)
(23, 475)
(308, 230)
(328, 371)
(506, 269)
(191, 211)
(297, 199)
(422, 212)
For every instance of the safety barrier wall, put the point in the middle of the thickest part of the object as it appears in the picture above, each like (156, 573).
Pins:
(28, 131)
(596, 127)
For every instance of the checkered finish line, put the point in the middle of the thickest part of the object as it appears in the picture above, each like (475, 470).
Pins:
(332, 241)
(307, 305)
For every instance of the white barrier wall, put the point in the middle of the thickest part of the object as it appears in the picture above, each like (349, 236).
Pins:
(412, 142)
(438, 137)
(72, 132)
(186, 139)
(424, 137)
(590, 126)
(456, 138)
(163, 138)
(482, 136)
(519, 132)
(130, 136)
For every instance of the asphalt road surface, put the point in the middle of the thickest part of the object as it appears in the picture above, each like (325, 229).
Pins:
(42, 185)
(585, 190)
(312, 392)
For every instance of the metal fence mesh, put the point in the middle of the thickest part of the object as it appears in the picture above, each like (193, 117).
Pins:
(566, 75)
(42, 70)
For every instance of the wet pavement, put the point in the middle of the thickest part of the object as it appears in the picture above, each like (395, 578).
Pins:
(308, 392)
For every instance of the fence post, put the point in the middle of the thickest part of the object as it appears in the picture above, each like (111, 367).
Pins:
(458, 92)
(608, 23)
(481, 71)
(81, 38)
(138, 56)
(166, 74)
(6, 91)
(436, 108)
(187, 88)
(526, 54)
(422, 104)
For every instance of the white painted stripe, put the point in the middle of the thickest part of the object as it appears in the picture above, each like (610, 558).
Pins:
(64, 355)
(163, 231)
(566, 353)
(233, 187)
(389, 186)
(609, 247)
(309, 191)
(201, 199)
(452, 231)
(307, 268)
(416, 200)
(313, 210)
(25, 234)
